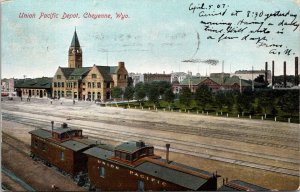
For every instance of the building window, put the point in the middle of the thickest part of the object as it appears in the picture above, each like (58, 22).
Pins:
(123, 156)
(128, 157)
(141, 185)
(101, 172)
(75, 84)
(35, 143)
(98, 85)
(93, 85)
(62, 84)
(58, 84)
(89, 85)
(107, 85)
(54, 84)
(94, 76)
(62, 155)
(62, 94)
(125, 76)
(119, 77)
(118, 154)
(58, 76)
(44, 147)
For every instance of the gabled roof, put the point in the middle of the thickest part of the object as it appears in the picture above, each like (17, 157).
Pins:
(80, 71)
(43, 83)
(192, 81)
(227, 81)
(235, 80)
(75, 41)
(172, 175)
(105, 72)
(66, 71)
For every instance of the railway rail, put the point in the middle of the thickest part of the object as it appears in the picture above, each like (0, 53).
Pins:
(284, 142)
(105, 133)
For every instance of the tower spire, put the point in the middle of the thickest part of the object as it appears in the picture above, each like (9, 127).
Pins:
(75, 52)
(75, 41)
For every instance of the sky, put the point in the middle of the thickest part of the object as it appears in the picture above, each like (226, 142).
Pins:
(156, 36)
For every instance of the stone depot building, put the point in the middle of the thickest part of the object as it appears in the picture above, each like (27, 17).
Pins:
(77, 82)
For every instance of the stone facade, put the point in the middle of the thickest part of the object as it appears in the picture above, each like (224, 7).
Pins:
(87, 83)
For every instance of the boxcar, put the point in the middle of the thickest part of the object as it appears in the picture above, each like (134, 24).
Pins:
(133, 166)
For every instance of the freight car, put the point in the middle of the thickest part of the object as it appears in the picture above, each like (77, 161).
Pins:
(129, 166)
(61, 147)
(238, 185)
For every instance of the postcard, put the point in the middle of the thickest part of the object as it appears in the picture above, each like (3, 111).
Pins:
(140, 95)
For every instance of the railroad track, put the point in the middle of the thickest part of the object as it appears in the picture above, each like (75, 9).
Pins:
(259, 139)
(105, 133)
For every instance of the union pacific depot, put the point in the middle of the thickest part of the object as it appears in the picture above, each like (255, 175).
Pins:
(75, 81)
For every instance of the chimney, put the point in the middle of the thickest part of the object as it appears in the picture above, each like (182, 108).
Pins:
(121, 64)
(64, 125)
(284, 74)
(52, 123)
(273, 77)
(266, 73)
(296, 72)
(167, 154)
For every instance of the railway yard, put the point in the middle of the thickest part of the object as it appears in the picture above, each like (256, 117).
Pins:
(264, 153)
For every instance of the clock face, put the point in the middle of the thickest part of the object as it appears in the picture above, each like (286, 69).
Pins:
(73, 50)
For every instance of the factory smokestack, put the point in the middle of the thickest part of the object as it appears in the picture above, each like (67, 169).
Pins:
(296, 72)
(168, 150)
(273, 72)
(284, 74)
(266, 73)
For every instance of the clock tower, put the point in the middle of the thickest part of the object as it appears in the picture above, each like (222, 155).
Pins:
(75, 53)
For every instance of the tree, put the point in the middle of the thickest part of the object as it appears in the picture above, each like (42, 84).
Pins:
(220, 100)
(129, 82)
(139, 91)
(185, 96)
(153, 94)
(260, 79)
(289, 102)
(265, 101)
(116, 92)
(169, 96)
(129, 92)
(244, 101)
(203, 96)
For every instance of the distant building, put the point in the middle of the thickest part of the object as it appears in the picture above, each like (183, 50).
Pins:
(136, 78)
(249, 74)
(178, 76)
(220, 75)
(216, 84)
(149, 77)
(38, 87)
(7, 87)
